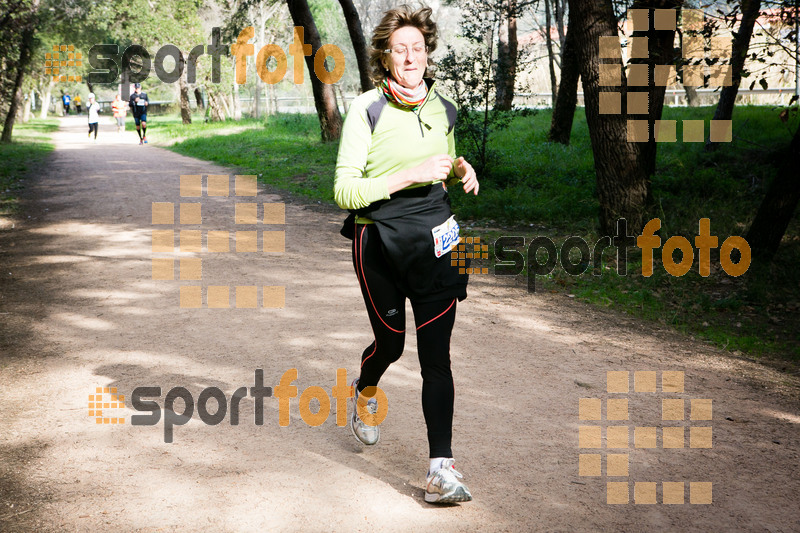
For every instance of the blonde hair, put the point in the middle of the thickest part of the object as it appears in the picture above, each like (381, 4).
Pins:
(393, 20)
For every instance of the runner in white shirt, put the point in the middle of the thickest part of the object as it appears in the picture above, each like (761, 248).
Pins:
(94, 109)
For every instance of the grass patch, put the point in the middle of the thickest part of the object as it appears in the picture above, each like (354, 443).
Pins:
(541, 188)
(30, 144)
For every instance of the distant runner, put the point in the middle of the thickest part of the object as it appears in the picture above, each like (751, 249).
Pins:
(139, 103)
(93, 108)
(118, 106)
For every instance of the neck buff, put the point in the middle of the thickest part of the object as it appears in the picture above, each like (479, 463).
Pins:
(403, 97)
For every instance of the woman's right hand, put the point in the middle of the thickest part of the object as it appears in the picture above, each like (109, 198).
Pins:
(435, 168)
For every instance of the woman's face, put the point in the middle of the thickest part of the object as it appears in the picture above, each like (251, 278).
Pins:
(409, 67)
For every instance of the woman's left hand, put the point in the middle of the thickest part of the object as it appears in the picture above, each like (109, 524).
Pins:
(467, 174)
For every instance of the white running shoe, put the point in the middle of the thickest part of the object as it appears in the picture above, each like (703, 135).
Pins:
(366, 434)
(443, 486)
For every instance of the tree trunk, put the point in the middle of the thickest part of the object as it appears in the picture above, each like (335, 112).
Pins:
(567, 98)
(692, 100)
(330, 120)
(507, 48)
(741, 44)
(661, 51)
(198, 97)
(48, 95)
(26, 46)
(622, 184)
(780, 202)
(26, 108)
(551, 59)
(186, 111)
(359, 43)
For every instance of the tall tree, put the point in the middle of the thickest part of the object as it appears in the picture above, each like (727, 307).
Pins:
(660, 51)
(622, 167)
(567, 96)
(507, 51)
(359, 44)
(750, 10)
(23, 23)
(330, 119)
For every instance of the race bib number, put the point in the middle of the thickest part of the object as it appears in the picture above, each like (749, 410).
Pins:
(445, 236)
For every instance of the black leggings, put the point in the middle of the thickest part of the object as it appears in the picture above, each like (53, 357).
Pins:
(93, 126)
(434, 320)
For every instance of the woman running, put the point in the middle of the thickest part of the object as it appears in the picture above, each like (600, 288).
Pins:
(397, 149)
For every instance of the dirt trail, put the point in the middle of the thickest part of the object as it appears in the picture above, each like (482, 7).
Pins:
(79, 310)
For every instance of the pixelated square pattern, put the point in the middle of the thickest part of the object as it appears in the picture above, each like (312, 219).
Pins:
(721, 131)
(610, 75)
(589, 437)
(246, 213)
(191, 185)
(637, 103)
(590, 464)
(664, 19)
(617, 492)
(638, 131)
(672, 409)
(610, 47)
(672, 437)
(274, 296)
(665, 75)
(275, 213)
(246, 185)
(590, 408)
(638, 75)
(640, 19)
(191, 297)
(701, 409)
(665, 131)
(617, 464)
(700, 437)
(190, 241)
(617, 437)
(644, 492)
(163, 241)
(105, 398)
(460, 254)
(637, 48)
(246, 241)
(163, 213)
(672, 492)
(610, 103)
(700, 492)
(191, 268)
(617, 381)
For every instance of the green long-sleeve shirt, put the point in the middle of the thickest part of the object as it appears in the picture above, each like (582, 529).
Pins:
(380, 139)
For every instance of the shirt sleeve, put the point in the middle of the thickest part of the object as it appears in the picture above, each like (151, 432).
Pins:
(352, 189)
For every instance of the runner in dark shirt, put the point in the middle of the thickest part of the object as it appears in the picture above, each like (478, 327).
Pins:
(138, 103)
